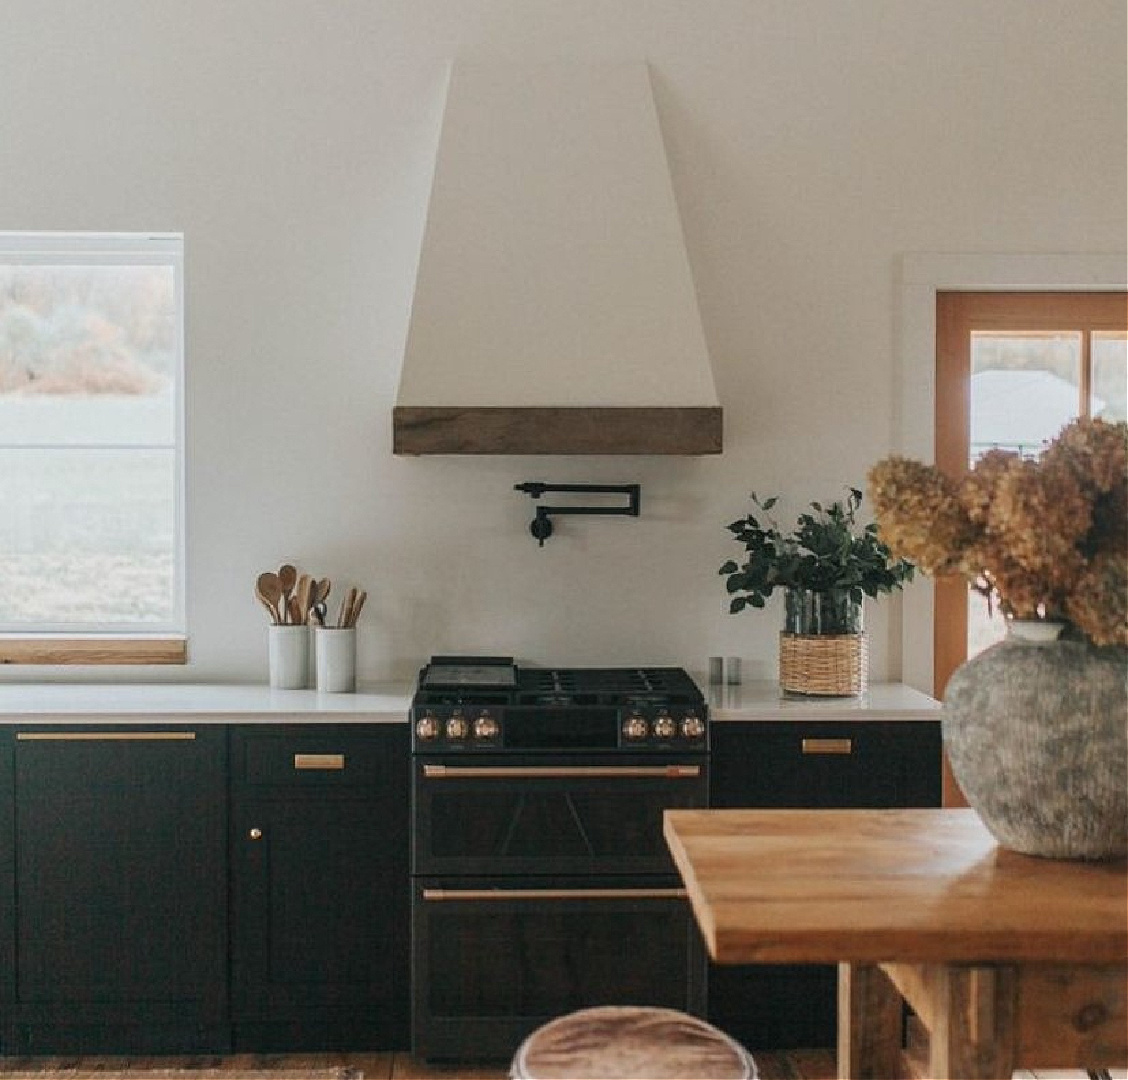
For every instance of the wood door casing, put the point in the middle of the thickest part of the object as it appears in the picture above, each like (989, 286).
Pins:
(958, 315)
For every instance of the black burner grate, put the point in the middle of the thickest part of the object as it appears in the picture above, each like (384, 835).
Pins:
(604, 686)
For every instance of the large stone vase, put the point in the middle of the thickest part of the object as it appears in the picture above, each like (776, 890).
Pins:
(1037, 735)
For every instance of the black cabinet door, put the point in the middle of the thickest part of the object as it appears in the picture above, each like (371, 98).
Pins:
(800, 765)
(319, 887)
(7, 879)
(120, 876)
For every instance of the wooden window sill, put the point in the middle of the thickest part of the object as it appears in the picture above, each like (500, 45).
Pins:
(93, 649)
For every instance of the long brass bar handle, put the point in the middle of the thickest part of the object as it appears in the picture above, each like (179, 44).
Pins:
(553, 894)
(828, 746)
(549, 772)
(319, 761)
(105, 736)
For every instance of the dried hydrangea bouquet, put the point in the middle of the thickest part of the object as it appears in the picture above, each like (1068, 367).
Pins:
(1036, 727)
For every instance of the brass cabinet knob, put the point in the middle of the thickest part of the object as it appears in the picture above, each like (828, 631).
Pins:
(255, 834)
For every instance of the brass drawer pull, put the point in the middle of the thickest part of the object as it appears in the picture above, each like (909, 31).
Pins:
(553, 894)
(319, 761)
(105, 736)
(828, 746)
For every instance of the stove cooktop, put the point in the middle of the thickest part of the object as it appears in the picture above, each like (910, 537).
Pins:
(482, 703)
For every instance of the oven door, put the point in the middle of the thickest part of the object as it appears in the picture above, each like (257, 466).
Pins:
(492, 962)
(549, 814)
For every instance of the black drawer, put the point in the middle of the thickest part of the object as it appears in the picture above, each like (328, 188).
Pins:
(315, 758)
(812, 765)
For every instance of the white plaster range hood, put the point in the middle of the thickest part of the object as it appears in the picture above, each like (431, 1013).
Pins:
(554, 308)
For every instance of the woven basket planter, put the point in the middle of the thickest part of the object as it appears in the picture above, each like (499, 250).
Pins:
(833, 665)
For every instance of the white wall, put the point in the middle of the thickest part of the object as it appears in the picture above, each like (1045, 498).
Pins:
(812, 142)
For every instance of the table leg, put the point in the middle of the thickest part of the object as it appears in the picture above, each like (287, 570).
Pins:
(972, 1034)
(869, 1024)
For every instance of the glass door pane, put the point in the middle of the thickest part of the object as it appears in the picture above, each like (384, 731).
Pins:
(1025, 387)
(1108, 396)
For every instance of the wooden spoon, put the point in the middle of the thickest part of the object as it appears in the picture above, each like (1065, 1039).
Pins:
(287, 578)
(269, 591)
(320, 591)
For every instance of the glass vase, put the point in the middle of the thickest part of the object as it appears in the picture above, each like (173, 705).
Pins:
(829, 612)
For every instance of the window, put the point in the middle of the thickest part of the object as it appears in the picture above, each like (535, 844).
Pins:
(1012, 369)
(91, 448)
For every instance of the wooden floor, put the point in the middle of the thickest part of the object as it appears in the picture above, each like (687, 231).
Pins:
(793, 1065)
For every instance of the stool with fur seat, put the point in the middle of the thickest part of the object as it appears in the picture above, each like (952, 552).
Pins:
(630, 1043)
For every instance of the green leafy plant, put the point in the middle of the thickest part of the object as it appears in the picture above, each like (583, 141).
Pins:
(826, 552)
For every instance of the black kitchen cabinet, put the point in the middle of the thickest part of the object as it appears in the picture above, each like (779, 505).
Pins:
(120, 890)
(319, 879)
(808, 765)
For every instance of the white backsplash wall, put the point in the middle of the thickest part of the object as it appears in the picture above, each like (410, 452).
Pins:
(811, 144)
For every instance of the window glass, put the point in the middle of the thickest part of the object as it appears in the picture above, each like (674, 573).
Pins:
(1109, 395)
(1024, 389)
(90, 433)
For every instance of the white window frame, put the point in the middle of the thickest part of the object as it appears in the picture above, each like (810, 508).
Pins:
(118, 642)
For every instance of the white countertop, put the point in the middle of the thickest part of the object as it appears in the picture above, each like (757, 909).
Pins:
(200, 703)
(765, 701)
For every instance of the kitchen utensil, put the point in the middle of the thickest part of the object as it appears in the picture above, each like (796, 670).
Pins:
(321, 591)
(271, 611)
(269, 591)
(344, 616)
(295, 611)
(355, 613)
(302, 593)
(287, 578)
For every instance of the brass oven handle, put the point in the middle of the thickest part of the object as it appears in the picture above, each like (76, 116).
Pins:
(553, 894)
(105, 736)
(534, 772)
(319, 761)
(828, 746)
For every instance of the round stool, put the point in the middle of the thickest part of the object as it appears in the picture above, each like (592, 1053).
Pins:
(630, 1043)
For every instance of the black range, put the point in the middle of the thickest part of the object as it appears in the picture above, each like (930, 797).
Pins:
(538, 861)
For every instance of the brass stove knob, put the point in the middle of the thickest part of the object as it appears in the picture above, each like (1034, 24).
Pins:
(635, 727)
(692, 726)
(664, 727)
(427, 727)
(485, 727)
(457, 727)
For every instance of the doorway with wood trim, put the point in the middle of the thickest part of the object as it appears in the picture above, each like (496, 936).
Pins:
(1012, 368)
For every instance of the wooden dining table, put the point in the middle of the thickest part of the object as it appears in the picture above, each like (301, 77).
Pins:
(1009, 961)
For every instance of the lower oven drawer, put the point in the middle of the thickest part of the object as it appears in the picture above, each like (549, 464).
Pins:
(491, 962)
(487, 815)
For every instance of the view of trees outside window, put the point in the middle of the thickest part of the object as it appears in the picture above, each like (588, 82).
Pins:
(89, 359)
(1024, 389)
